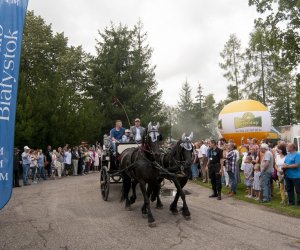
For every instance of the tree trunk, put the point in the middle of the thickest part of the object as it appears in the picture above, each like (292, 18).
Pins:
(235, 74)
(262, 80)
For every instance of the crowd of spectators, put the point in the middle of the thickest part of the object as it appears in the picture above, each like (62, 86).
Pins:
(37, 165)
(261, 165)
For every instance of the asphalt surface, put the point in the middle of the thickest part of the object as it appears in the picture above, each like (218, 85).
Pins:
(70, 214)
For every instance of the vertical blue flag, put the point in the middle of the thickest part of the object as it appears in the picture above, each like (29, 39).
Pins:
(12, 18)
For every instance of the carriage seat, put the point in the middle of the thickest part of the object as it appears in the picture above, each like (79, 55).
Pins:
(122, 146)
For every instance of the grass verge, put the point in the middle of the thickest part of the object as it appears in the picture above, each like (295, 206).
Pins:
(274, 205)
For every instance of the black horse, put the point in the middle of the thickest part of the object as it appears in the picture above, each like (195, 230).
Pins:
(177, 161)
(139, 165)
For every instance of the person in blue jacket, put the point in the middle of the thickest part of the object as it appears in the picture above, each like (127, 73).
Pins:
(292, 174)
(116, 134)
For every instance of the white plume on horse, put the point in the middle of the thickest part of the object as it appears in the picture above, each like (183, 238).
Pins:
(153, 131)
(152, 127)
(184, 137)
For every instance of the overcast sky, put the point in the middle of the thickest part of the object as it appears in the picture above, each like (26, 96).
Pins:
(186, 35)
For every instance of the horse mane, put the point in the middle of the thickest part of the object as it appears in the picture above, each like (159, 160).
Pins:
(144, 138)
(176, 148)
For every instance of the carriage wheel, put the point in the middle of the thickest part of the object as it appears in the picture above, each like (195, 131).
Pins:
(104, 183)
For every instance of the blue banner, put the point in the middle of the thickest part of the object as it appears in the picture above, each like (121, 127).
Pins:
(12, 17)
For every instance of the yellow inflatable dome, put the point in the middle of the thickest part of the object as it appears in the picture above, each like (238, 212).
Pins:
(244, 118)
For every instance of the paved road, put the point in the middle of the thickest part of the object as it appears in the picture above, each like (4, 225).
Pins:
(69, 214)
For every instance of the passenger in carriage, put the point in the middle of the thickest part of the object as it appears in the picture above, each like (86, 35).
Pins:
(126, 138)
(116, 134)
(137, 131)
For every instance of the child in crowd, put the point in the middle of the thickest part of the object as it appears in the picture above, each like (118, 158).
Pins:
(248, 173)
(256, 181)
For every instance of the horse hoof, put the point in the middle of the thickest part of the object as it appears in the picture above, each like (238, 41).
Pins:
(145, 216)
(187, 217)
(174, 212)
(159, 207)
(152, 224)
(128, 208)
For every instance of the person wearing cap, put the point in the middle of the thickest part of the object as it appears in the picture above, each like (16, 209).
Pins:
(202, 156)
(126, 136)
(266, 166)
(137, 131)
(214, 169)
(26, 160)
(17, 162)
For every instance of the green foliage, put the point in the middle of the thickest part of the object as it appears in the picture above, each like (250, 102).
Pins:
(65, 94)
(50, 109)
(297, 97)
(122, 68)
(281, 24)
(268, 70)
(233, 65)
(197, 116)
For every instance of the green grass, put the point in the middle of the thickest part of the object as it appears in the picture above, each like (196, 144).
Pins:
(274, 205)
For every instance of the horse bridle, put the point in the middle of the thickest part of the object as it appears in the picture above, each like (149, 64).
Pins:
(146, 138)
(185, 145)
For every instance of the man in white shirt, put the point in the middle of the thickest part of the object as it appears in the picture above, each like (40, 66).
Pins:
(137, 131)
(67, 160)
(202, 155)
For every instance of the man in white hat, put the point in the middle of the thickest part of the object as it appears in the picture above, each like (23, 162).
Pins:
(26, 160)
(266, 166)
(137, 131)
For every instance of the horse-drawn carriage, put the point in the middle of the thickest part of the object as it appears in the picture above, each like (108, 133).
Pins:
(109, 173)
(145, 164)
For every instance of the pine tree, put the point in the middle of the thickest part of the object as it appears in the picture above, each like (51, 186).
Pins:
(185, 122)
(185, 104)
(122, 69)
(210, 115)
(198, 106)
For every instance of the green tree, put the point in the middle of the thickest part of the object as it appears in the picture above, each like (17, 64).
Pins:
(262, 58)
(185, 103)
(210, 116)
(122, 68)
(285, 16)
(282, 17)
(198, 106)
(283, 100)
(297, 101)
(50, 108)
(185, 122)
(233, 64)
